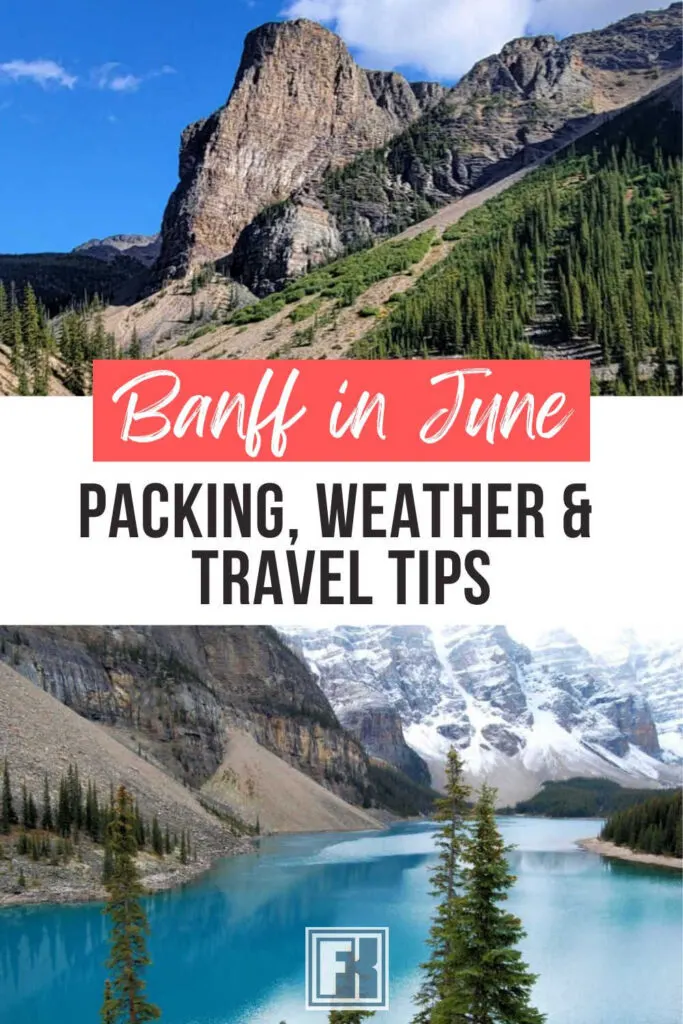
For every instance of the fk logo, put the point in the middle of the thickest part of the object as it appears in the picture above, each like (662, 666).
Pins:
(347, 968)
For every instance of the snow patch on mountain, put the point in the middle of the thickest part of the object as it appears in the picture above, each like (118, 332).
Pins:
(519, 715)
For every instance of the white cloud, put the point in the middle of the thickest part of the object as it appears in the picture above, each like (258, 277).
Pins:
(112, 76)
(444, 38)
(124, 83)
(42, 72)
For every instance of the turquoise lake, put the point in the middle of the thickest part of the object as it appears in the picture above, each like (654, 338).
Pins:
(605, 937)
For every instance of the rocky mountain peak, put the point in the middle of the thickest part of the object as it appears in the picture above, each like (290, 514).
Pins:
(256, 192)
(300, 105)
(519, 715)
(142, 248)
(286, 41)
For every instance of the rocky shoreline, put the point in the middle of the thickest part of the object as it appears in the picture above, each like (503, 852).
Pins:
(77, 882)
(611, 850)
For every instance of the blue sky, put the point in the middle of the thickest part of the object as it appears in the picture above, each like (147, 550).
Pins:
(94, 95)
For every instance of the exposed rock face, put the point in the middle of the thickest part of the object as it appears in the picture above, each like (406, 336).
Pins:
(657, 670)
(511, 109)
(178, 692)
(299, 105)
(380, 731)
(40, 737)
(518, 715)
(283, 242)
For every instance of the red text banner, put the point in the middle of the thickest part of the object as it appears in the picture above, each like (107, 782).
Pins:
(341, 411)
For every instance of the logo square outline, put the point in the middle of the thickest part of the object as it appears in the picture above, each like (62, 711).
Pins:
(314, 938)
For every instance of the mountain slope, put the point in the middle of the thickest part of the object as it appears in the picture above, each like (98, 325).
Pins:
(143, 248)
(580, 259)
(64, 279)
(511, 108)
(178, 693)
(518, 716)
(657, 669)
(527, 239)
(262, 788)
(182, 695)
(39, 735)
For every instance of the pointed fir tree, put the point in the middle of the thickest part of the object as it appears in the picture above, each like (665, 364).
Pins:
(157, 838)
(129, 927)
(8, 816)
(494, 980)
(47, 821)
(108, 1013)
(134, 349)
(436, 996)
(107, 864)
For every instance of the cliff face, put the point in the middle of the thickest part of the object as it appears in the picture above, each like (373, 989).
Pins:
(517, 714)
(380, 731)
(176, 694)
(299, 105)
(511, 109)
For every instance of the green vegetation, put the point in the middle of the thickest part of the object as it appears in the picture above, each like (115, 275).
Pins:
(392, 180)
(124, 994)
(343, 281)
(65, 280)
(653, 826)
(475, 972)
(392, 789)
(34, 341)
(349, 1016)
(445, 942)
(579, 798)
(585, 251)
(305, 310)
(54, 829)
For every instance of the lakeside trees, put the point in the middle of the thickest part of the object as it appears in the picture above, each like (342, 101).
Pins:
(653, 826)
(475, 974)
(436, 995)
(496, 981)
(53, 829)
(579, 798)
(125, 1001)
(349, 1016)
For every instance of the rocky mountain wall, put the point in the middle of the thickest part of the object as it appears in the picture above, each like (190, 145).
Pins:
(177, 693)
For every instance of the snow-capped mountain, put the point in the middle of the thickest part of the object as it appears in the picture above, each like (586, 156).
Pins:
(518, 714)
(657, 671)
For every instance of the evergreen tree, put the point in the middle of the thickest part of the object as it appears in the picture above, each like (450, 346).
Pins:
(157, 838)
(8, 815)
(349, 1016)
(107, 864)
(29, 811)
(64, 818)
(126, 1002)
(436, 995)
(134, 350)
(494, 981)
(47, 821)
(109, 1012)
(651, 826)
